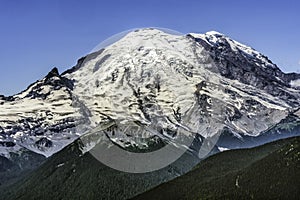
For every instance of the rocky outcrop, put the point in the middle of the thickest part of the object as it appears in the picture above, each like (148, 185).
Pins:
(238, 62)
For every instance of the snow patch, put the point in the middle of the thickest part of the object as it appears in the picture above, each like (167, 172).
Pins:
(60, 165)
(295, 83)
(223, 149)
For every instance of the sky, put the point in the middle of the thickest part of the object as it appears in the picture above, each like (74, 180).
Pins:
(37, 35)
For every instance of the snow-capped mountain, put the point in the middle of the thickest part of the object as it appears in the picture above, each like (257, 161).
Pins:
(152, 83)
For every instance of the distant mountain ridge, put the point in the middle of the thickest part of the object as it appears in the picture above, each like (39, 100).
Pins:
(271, 170)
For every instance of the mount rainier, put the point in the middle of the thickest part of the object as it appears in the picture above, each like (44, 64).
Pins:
(151, 84)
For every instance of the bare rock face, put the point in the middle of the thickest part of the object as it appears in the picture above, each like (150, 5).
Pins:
(239, 62)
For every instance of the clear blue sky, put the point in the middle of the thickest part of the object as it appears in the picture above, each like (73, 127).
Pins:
(39, 35)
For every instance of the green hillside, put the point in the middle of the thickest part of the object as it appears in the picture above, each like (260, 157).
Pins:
(71, 175)
(268, 171)
(271, 171)
(18, 165)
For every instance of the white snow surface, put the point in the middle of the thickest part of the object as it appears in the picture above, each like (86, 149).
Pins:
(295, 83)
